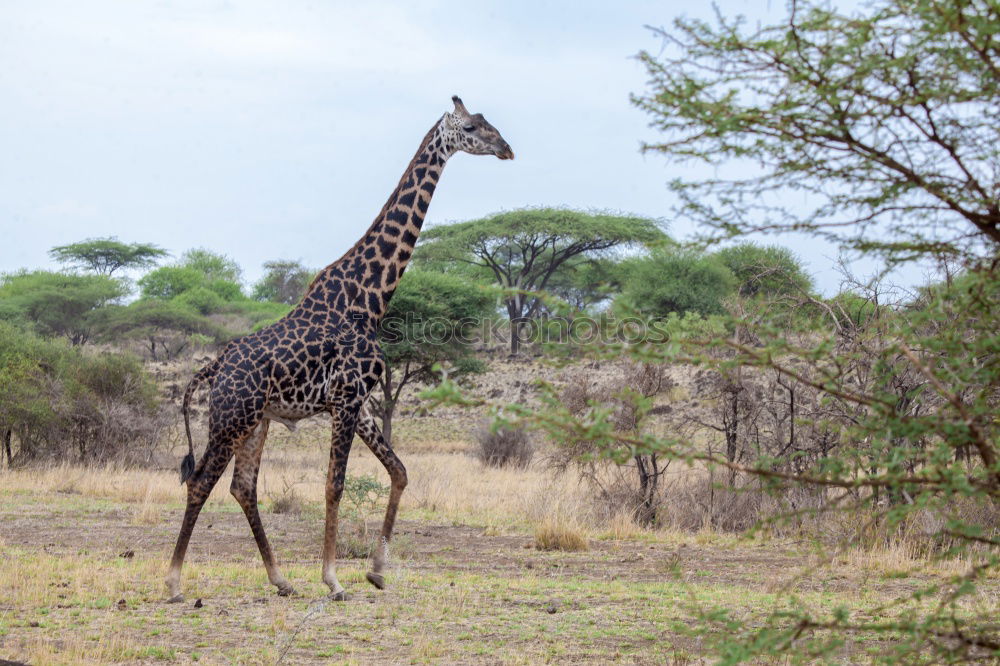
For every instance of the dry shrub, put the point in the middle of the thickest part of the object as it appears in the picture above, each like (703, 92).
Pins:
(504, 447)
(556, 533)
(702, 503)
(921, 533)
(92, 408)
(288, 502)
(354, 543)
(623, 394)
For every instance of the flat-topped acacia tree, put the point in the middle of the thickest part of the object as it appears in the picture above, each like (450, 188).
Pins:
(524, 249)
(104, 256)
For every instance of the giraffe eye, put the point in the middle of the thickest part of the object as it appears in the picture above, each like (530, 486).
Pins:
(469, 128)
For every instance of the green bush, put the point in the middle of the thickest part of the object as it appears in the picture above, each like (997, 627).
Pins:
(169, 282)
(258, 314)
(164, 327)
(60, 403)
(201, 299)
(764, 270)
(227, 290)
(675, 282)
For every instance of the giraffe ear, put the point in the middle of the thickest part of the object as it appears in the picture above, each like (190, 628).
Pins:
(460, 109)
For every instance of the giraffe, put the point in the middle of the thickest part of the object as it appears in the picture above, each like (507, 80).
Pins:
(322, 357)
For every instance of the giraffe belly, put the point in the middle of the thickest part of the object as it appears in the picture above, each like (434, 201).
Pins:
(289, 415)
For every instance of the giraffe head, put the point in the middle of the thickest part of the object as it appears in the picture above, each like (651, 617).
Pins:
(473, 134)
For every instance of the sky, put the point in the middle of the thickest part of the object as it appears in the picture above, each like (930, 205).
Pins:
(266, 129)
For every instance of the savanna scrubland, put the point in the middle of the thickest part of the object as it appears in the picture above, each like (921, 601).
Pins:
(680, 452)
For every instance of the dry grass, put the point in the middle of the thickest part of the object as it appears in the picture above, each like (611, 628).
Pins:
(62, 607)
(149, 510)
(448, 487)
(555, 534)
(451, 486)
(902, 559)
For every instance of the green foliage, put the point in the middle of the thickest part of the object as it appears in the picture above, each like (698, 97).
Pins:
(212, 265)
(363, 493)
(524, 249)
(884, 125)
(432, 320)
(171, 282)
(226, 290)
(284, 282)
(107, 255)
(584, 283)
(200, 271)
(200, 299)
(361, 497)
(165, 327)
(853, 310)
(258, 314)
(168, 282)
(675, 282)
(764, 270)
(58, 304)
(60, 402)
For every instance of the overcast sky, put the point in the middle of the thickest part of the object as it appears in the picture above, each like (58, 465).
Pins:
(267, 129)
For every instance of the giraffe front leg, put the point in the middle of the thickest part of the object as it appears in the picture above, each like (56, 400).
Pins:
(343, 433)
(370, 433)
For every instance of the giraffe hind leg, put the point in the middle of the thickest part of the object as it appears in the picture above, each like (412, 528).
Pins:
(244, 489)
(200, 485)
(371, 435)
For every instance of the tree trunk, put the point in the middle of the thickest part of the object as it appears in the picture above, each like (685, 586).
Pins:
(649, 477)
(514, 315)
(7, 436)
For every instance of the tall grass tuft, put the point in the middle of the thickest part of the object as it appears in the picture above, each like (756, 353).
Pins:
(555, 533)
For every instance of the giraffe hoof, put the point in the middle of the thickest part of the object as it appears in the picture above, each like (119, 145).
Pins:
(376, 579)
(286, 591)
(176, 599)
(339, 596)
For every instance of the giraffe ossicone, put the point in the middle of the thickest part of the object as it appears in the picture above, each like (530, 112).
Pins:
(322, 357)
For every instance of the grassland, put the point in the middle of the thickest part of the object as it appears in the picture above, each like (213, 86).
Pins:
(84, 553)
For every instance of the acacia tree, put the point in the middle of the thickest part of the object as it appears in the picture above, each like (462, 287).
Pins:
(889, 122)
(433, 320)
(165, 327)
(524, 249)
(104, 256)
(58, 304)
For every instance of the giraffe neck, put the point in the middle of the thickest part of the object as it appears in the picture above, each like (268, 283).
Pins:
(359, 285)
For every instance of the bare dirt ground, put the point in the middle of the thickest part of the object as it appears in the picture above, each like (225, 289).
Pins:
(83, 584)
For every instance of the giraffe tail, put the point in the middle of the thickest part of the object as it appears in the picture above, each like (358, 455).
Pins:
(206, 373)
